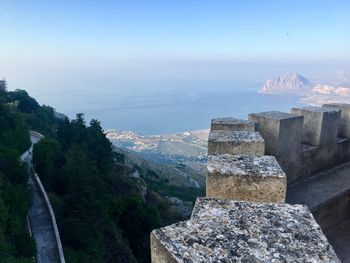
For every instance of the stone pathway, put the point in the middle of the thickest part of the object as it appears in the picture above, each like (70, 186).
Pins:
(39, 217)
(319, 189)
(42, 229)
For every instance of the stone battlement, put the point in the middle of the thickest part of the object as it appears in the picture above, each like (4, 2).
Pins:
(235, 142)
(244, 218)
(308, 140)
(245, 177)
(238, 231)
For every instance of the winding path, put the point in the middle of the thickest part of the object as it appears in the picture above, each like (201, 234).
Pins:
(41, 217)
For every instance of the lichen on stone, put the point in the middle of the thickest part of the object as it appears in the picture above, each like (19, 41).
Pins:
(235, 136)
(274, 115)
(230, 121)
(238, 231)
(244, 164)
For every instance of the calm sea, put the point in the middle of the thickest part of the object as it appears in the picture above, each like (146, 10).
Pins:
(164, 107)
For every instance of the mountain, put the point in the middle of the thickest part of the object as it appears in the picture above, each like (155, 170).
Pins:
(313, 93)
(292, 83)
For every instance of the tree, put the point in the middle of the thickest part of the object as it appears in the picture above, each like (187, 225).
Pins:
(45, 161)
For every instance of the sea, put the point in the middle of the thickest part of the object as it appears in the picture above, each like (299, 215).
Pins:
(163, 107)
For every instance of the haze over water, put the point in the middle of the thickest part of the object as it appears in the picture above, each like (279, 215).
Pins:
(166, 106)
(167, 66)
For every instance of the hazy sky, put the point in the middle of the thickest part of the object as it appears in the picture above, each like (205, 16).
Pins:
(68, 39)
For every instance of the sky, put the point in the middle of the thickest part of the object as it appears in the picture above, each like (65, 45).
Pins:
(45, 41)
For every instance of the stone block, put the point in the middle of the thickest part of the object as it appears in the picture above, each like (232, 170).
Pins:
(232, 124)
(238, 231)
(245, 177)
(235, 142)
(282, 133)
(344, 125)
(320, 125)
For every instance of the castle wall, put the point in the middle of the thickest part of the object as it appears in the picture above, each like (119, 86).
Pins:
(306, 141)
(239, 231)
(245, 177)
(282, 133)
(235, 142)
(232, 124)
(244, 217)
(344, 125)
(320, 125)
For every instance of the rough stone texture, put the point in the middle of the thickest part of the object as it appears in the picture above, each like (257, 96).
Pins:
(245, 177)
(282, 133)
(320, 125)
(235, 142)
(233, 231)
(232, 124)
(344, 126)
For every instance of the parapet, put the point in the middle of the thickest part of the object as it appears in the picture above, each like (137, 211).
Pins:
(245, 177)
(320, 125)
(235, 142)
(250, 222)
(278, 128)
(282, 133)
(344, 126)
(237, 231)
(232, 124)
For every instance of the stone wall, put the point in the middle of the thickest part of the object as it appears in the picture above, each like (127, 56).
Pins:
(244, 217)
(307, 140)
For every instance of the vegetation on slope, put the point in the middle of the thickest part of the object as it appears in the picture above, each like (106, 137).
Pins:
(103, 213)
(16, 246)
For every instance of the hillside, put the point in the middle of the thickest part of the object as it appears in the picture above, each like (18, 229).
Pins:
(181, 155)
(16, 245)
(106, 200)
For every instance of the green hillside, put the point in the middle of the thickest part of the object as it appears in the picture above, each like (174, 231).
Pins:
(104, 214)
(16, 246)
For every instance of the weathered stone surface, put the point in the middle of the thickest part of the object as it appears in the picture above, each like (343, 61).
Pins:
(344, 126)
(235, 142)
(232, 124)
(245, 177)
(320, 125)
(234, 231)
(282, 133)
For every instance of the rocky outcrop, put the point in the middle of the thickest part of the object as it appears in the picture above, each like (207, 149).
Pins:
(292, 83)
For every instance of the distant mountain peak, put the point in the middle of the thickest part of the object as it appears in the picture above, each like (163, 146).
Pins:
(289, 83)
